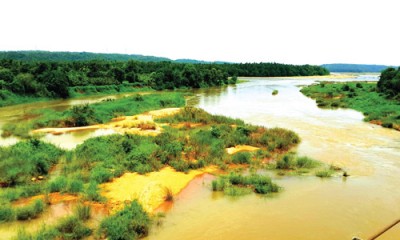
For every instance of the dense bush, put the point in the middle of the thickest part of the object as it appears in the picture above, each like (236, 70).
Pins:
(26, 159)
(130, 223)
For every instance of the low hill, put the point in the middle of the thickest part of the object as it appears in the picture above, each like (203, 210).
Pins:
(342, 67)
(87, 56)
(76, 56)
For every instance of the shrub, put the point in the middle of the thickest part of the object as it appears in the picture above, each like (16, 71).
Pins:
(100, 174)
(59, 184)
(92, 192)
(72, 228)
(130, 223)
(275, 92)
(241, 158)
(75, 186)
(30, 211)
(6, 213)
(306, 162)
(287, 162)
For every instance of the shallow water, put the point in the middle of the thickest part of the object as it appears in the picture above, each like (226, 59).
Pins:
(308, 207)
(67, 140)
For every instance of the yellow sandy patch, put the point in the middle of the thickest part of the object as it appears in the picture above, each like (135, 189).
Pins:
(150, 189)
(138, 124)
(241, 148)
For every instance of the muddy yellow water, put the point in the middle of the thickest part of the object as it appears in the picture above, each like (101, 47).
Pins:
(308, 207)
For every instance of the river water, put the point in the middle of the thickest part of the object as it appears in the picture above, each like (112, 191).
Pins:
(308, 207)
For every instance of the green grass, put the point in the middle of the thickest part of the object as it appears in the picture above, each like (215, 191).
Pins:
(325, 173)
(235, 184)
(95, 113)
(80, 91)
(362, 97)
(294, 162)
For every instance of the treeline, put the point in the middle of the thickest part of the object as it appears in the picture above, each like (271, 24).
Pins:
(273, 70)
(389, 82)
(53, 79)
(342, 67)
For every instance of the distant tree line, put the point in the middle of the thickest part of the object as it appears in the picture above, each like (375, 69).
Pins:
(342, 67)
(53, 78)
(389, 82)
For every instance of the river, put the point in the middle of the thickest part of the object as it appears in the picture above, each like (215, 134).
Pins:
(308, 207)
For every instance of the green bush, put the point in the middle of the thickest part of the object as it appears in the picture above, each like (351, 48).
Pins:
(241, 158)
(72, 228)
(100, 174)
(29, 212)
(75, 186)
(92, 192)
(27, 159)
(287, 162)
(130, 223)
(59, 184)
(6, 213)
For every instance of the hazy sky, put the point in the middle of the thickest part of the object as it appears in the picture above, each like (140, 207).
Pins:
(284, 31)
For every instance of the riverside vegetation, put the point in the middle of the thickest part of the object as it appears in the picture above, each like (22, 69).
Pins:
(192, 139)
(31, 80)
(377, 106)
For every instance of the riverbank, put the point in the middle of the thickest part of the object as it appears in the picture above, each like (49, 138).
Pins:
(359, 96)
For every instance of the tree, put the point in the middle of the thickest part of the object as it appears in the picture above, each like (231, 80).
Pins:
(6, 75)
(56, 82)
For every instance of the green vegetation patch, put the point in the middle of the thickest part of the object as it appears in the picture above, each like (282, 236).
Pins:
(363, 97)
(236, 184)
(26, 159)
(83, 115)
(132, 222)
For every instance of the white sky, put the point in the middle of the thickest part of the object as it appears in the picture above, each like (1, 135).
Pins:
(284, 31)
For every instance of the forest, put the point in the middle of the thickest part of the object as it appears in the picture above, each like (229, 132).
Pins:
(52, 79)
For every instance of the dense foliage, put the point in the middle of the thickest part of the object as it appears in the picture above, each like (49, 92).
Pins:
(54, 78)
(389, 82)
(75, 56)
(24, 160)
(362, 97)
